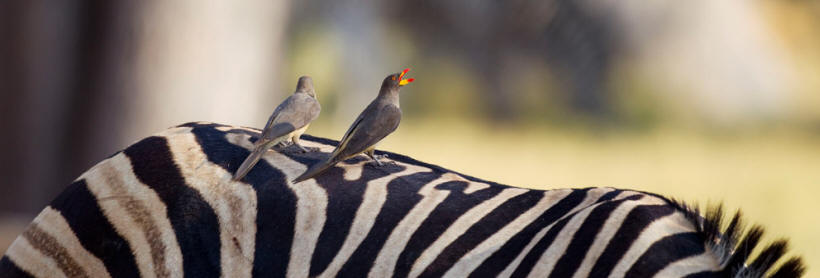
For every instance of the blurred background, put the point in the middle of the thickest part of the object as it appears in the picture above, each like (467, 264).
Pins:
(704, 101)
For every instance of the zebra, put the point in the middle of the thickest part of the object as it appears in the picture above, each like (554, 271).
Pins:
(166, 206)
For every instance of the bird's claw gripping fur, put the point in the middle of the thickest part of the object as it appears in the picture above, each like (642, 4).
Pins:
(376, 159)
(303, 149)
(282, 146)
(285, 145)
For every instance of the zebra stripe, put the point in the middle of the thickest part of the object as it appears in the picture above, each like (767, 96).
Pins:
(167, 207)
(32, 260)
(459, 234)
(684, 267)
(85, 217)
(387, 257)
(614, 220)
(375, 195)
(489, 246)
(311, 204)
(138, 214)
(54, 236)
(233, 203)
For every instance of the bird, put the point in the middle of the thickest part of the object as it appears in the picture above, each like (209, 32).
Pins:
(380, 118)
(289, 120)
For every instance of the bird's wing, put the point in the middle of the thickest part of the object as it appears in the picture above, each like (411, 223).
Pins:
(294, 113)
(346, 137)
(368, 131)
(275, 114)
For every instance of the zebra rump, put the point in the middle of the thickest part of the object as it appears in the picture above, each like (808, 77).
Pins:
(166, 206)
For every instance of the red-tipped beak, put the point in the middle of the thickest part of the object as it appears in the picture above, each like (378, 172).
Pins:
(402, 81)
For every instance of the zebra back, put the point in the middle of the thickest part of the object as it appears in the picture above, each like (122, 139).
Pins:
(166, 207)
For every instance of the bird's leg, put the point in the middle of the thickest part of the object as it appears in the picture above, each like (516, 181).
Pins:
(303, 149)
(377, 158)
(385, 156)
(280, 146)
(372, 154)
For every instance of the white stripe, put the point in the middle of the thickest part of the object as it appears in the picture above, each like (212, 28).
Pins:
(31, 260)
(115, 202)
(322, 147)
(353, 171)
(592, 196)
(234, 203)
(461, 225)
(473, 186)
(52, 223)
(610, 227)
(666, 226)
(387, 258)
(311, 208)
(477, 255)
(694, 264)
(227, 128)
(550, 256)
(374, 197)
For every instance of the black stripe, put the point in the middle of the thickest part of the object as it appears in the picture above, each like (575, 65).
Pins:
(402, 196)
(193, 220)
(609, 196)
(636, 221)
(535, 253)
(404, 159)
(276, 203)
(499, 260)
(393, 156)
(344, 199)
(584, 236)
(705, 274)
(452, 207)
(80, 209)
(10, 270)
(666, 251)
(481, 230)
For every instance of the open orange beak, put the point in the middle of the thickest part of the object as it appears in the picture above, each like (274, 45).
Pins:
(403, 82)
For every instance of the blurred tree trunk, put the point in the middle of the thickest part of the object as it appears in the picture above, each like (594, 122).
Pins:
(219, 57)
(81, 80)
(39, 59)
(10, 105)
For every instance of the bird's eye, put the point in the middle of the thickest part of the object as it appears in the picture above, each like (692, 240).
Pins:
(393, 77)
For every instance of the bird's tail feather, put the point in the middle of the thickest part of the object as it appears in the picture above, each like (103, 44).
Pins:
(315, 170)
(249, 162)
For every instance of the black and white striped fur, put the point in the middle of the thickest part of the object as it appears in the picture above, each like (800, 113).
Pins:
(167, 207)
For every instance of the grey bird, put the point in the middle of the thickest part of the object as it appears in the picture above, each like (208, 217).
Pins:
(290, 119)
(378, 120)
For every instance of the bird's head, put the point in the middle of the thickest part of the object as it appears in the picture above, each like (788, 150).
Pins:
(305, 85)
(397, 80)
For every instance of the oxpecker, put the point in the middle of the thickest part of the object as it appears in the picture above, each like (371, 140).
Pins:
(379, 119)
(290, 119)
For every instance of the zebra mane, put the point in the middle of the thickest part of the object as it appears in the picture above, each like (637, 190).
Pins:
(734, 244)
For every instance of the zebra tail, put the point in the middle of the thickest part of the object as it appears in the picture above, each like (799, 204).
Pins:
(733, 245)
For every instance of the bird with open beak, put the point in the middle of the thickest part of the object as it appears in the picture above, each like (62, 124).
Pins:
(378, 120)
